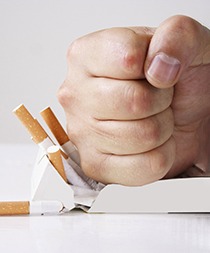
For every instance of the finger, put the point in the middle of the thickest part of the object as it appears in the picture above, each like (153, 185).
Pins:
(130, 170)
(132, 137)
(115, 53)
(123, 137)
(113, 99)
(178, 43)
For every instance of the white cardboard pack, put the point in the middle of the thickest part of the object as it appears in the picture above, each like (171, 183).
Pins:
(181, 195)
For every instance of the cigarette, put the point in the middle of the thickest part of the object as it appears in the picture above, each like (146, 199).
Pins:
(68, 172)
(38, 134)
(55, 157)
(54, 125)
(36, 131)
(30, 207)
(74, 160)
(40, 137)
(60, 134)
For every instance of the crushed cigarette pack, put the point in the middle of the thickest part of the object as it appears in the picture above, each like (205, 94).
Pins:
(180, 195)
(59, 182)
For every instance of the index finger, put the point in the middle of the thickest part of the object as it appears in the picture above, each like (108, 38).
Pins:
(117, 53)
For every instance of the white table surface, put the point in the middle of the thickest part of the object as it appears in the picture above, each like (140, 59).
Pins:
(82, 232)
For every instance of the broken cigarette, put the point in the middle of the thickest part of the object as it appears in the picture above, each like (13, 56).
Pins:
(38, 134)
(68, 167)
(30, 207)
(74, 159)
(55, 157)
(60, 134)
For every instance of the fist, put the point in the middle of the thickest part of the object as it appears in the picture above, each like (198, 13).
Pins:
(121, 125)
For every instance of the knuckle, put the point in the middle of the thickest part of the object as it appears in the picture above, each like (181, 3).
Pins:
(73, 49)
(63, 95)
(159, 165)
(128, 50)
(132, 59)
(184, 22)
(162, 159)
(158, 128)
(137, 100)
(67, 94)
(154, 132)
(186, 26)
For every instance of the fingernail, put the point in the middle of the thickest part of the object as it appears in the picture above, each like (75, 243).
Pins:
(164, 68)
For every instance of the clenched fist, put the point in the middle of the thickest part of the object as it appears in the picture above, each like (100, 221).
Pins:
(137, 101)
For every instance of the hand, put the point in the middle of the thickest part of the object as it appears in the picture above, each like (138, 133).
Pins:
(134, 117)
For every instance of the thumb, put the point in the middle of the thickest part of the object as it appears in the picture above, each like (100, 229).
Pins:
(179, 42)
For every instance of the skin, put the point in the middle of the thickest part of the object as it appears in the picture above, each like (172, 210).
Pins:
(137, 101)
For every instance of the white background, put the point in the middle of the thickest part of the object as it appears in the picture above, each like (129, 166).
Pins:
(34, 37)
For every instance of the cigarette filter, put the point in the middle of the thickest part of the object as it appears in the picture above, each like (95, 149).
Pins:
(54, 154)
(14, 208)
(36, 131)
(54, 125)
